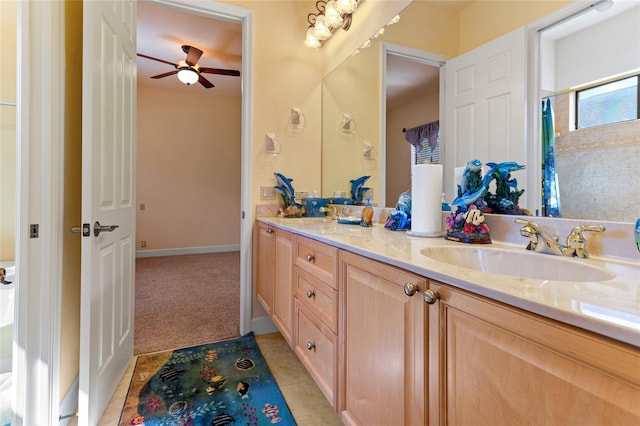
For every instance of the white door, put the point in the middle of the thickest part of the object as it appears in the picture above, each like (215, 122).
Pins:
(108, 197)
(485, 106)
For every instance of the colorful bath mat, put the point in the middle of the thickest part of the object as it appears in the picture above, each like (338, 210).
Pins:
(215, 384)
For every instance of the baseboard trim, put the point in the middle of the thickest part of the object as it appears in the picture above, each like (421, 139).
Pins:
(263, 325)
(187, 250)
(69, 404)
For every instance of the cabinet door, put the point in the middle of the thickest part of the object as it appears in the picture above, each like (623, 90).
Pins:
(382, 330)
(493, 364)
(265, 278)
(282, 312)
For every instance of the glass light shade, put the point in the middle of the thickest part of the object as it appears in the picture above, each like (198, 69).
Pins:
(332, 16)
(188, 77)
(322, 31)
(311, 40)
(346, 6)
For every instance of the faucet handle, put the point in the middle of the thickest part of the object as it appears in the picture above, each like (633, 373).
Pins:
(576, 240)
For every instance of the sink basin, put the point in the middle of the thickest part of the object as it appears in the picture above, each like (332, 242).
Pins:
(518, 264)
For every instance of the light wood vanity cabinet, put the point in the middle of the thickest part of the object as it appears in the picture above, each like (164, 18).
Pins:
(316, 312)
(383, 356)
(493, 364)
(274, 284)
(382, 330)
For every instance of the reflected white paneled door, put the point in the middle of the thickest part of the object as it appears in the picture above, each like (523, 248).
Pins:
(485, 106)
(108, 197)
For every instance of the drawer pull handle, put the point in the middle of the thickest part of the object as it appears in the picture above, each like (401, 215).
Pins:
(311, 346)
(410, 289)
(310, 294)
(430, 296)
(269, 231)
(310, 258)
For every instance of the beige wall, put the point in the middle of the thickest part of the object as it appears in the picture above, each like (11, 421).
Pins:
(188, 169)
(485, 20)
(286, 75)
(8, 11)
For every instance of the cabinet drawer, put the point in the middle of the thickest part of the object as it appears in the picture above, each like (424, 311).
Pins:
(321, 299)
(316, 347)
(320, 260)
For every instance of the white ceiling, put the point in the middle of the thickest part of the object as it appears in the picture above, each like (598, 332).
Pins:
(163, 30)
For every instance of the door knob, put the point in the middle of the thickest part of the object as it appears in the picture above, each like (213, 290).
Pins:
(97, 228)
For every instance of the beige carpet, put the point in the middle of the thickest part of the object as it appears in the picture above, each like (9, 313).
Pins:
(186, 300)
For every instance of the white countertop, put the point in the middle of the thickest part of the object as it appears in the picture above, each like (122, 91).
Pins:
(610, 308)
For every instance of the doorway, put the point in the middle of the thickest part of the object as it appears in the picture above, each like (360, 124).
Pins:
(189, 173)
(412, 87)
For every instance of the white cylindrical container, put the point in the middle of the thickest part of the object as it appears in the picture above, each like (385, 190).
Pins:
(426, 200)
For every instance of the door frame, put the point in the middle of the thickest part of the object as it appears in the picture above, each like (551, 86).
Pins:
(40, 156)
(415, 55)
(40, 159)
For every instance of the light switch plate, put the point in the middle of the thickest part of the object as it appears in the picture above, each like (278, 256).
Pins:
(267, 193)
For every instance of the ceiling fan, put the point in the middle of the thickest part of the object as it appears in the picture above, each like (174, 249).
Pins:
(188, 70)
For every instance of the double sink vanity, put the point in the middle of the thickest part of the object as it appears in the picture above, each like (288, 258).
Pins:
(406, 330)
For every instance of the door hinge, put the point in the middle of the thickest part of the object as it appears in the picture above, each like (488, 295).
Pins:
(34, 230)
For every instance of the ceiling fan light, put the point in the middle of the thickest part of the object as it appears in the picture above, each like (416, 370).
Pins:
(188, 77)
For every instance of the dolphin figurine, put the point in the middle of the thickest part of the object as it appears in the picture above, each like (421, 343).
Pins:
(503, 169)
(467, 200)
(284, 185)
(357, 187)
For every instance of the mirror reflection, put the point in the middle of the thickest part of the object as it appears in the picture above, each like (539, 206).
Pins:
(589, 75)
(593, 181)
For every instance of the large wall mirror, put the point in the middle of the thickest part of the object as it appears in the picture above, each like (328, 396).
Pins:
(596, 156)
(592, 173)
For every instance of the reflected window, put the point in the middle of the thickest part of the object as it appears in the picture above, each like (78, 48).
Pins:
(607, 103)
(426, 154)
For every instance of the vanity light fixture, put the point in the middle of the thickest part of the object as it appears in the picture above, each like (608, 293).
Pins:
(188, 76)
(331, 15)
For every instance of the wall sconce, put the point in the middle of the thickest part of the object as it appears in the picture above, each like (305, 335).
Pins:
(271, 145)
(347, 124)
(297, 119)
(368, 153)
(330, 16)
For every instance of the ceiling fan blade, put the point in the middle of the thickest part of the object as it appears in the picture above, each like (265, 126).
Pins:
(166, 74)
(219, 71)
(193, 54)
(206, 83)
(156, 59)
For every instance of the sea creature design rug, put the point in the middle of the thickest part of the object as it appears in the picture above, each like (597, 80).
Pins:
(215, 384)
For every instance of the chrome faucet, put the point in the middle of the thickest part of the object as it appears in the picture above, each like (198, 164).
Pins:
(334, 213)
(541, 242)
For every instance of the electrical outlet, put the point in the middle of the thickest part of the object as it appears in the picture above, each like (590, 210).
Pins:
(143, 243)
(267, 193)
